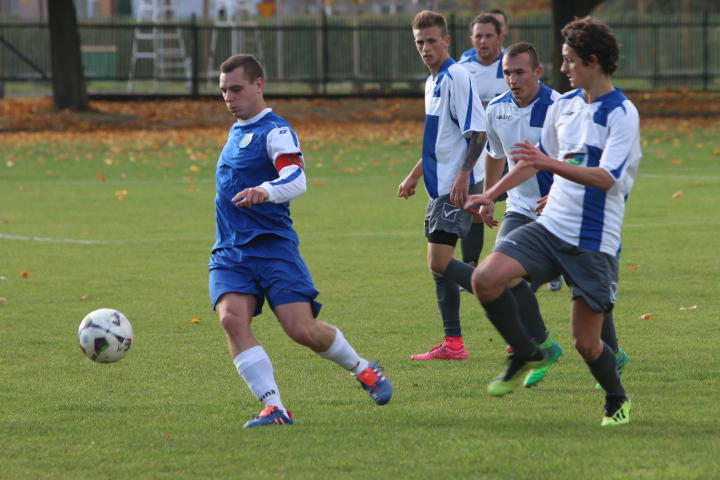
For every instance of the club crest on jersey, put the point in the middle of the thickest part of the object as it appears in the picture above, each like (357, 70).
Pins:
(574, 158)
(245, 140)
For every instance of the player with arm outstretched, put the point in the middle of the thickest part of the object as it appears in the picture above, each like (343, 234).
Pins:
(590, 142)
(256, 256)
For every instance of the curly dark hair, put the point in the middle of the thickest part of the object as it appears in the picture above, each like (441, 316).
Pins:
(590, 36)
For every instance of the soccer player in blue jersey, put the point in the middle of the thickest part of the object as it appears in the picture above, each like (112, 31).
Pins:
(485, 65)
(452, 143)
(256, 256)
(590, 142)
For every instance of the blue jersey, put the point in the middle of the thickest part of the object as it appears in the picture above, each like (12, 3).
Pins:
(247, 161)
(605, 134)
(452, 113)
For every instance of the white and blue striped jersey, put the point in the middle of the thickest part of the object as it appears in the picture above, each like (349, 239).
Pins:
(605, 134)
(489, 80)
(507, 124)
(247, 161)
(469, 53)
(452, 113)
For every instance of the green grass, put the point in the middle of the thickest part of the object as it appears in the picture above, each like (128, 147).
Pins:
(174, 407)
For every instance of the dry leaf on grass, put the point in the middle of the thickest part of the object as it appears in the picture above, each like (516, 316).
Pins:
(647, 316)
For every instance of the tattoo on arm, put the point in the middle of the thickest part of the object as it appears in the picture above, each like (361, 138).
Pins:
(474, 151)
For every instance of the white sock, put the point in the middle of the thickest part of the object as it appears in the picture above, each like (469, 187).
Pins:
(342, 353)
(255, 368)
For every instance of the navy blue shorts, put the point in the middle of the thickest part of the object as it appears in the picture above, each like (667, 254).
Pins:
(268, 267)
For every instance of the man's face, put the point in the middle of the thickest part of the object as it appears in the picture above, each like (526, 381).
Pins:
(503, 25)
(432, 46)
(521, 77)
(486, 41)
(242, 98)
(577, 71)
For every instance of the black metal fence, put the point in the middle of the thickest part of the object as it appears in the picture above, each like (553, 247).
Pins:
(335, 55)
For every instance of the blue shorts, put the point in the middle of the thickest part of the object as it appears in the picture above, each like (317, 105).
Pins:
(268, 267)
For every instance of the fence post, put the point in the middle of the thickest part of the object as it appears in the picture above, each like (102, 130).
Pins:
(325, 54)
(705, 52)
(453, 40)
(195, 58)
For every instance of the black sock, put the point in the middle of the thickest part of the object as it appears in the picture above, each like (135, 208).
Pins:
(530, 312)
(607, 333)
(460, 273)
(605, 372)
(472, 244)
(503, 313)
(448, 298)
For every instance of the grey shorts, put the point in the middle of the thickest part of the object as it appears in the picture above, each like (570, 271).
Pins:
(443, 215)
(511, 221)
(592, 274)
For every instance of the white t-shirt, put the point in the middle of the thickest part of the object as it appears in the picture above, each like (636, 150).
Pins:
(490, 80)
(452, 113)
(605, 133)
(507, 124)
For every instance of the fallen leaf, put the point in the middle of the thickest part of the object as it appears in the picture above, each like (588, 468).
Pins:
(415, 385)
(168, 437)
(676, 161)
(3, 300)
(121, 198)
(84, 297)
(694, 307)
(196, 320)
(318, 181)
(350, 170)
(647, 316)
(6, 221)
(634, 267)
(677, 195)
(101, 177)
(25, 274)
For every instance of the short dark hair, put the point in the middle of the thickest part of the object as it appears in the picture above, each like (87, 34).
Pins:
(427, 19)
(591, 36)
(497, 11)
(524, 47)
(252, 68)
(484, 19)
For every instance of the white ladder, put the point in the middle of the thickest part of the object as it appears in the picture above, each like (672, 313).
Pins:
(228, 13)
(163, 45)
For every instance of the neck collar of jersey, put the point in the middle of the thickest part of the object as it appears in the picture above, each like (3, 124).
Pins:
(255, 118)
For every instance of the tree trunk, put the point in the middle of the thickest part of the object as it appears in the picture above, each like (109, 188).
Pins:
(563, 12)
(68, 78)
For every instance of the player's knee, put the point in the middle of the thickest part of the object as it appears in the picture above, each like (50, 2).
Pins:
(484, 284)
(585, 348)
(301, 334)
(437, 266)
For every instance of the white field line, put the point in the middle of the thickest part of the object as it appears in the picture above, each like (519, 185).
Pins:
(77, 241)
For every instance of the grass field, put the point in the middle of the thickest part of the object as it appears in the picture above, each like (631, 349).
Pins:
(125, 220)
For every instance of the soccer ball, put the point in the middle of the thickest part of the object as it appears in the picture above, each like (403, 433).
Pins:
(105, 335)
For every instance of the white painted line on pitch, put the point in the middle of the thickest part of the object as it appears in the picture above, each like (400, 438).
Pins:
(100, 242)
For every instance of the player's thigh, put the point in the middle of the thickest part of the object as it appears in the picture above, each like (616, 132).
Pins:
(496, 270)
(511, 221)
(586, 325)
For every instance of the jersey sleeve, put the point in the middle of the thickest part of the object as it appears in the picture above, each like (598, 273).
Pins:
(466, 105)
(624, 123)
(291, 182)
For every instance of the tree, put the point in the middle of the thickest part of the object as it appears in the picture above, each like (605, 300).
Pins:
(68, 78)
(564, 11)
